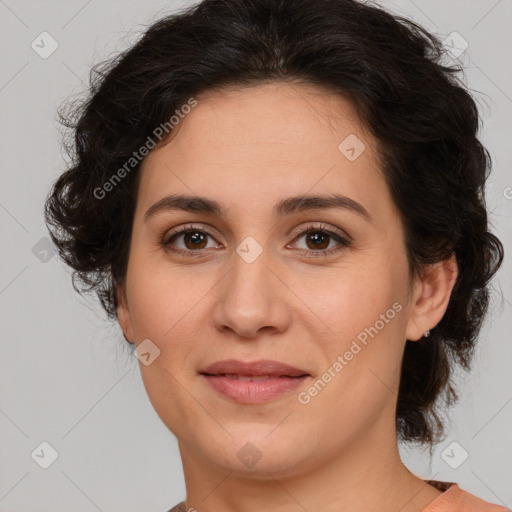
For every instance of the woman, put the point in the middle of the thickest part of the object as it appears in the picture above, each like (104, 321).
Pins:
(281, 203)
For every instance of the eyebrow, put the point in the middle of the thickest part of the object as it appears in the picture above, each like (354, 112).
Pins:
(288, 206)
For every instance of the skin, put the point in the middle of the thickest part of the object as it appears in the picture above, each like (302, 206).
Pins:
(249, 148)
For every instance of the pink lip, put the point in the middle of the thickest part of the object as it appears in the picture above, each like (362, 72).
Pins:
(283, 378)
(253, 392)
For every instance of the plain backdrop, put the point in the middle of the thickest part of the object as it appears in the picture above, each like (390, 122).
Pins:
(67, 377)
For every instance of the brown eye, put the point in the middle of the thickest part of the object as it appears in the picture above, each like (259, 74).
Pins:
(187, 241)
(318, 240)
(194, 240)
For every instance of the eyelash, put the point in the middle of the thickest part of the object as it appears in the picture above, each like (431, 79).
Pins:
(343, 241)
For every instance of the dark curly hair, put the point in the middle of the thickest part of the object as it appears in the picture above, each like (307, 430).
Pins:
(421, 114)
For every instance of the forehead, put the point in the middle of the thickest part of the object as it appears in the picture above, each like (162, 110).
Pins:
(282, 118)
(258, 143)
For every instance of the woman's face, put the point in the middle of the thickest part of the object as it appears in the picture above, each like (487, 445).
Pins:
(247, 286)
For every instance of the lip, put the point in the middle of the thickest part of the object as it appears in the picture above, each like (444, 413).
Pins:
(271, 379)
(251, 368)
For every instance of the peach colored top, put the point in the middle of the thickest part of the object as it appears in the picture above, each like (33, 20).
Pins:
(453, 499)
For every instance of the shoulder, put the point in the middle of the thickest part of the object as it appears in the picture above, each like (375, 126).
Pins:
(455, 499)
(180, 507)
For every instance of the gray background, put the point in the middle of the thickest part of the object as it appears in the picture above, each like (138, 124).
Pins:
(67, 376)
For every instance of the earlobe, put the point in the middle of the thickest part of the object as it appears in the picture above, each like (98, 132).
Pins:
(431, 297)
(123, 314)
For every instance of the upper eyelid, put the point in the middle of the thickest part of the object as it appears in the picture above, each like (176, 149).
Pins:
(183, 229)
(321, 226)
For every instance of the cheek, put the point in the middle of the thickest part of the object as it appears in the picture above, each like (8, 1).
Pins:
(350, 299)
(363, 315)
(361, 371)
(163, 298)
(165, 308)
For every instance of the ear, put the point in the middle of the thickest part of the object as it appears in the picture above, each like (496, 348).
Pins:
(431, 296)
(123, 313)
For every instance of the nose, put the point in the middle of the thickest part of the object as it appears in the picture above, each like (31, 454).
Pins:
(252, 299)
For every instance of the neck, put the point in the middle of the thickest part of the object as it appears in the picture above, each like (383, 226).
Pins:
(366, 474)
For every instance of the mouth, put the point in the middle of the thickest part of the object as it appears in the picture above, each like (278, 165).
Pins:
(253, 382)
(247, 378)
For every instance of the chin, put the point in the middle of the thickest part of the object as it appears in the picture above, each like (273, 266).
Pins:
(256, 451)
